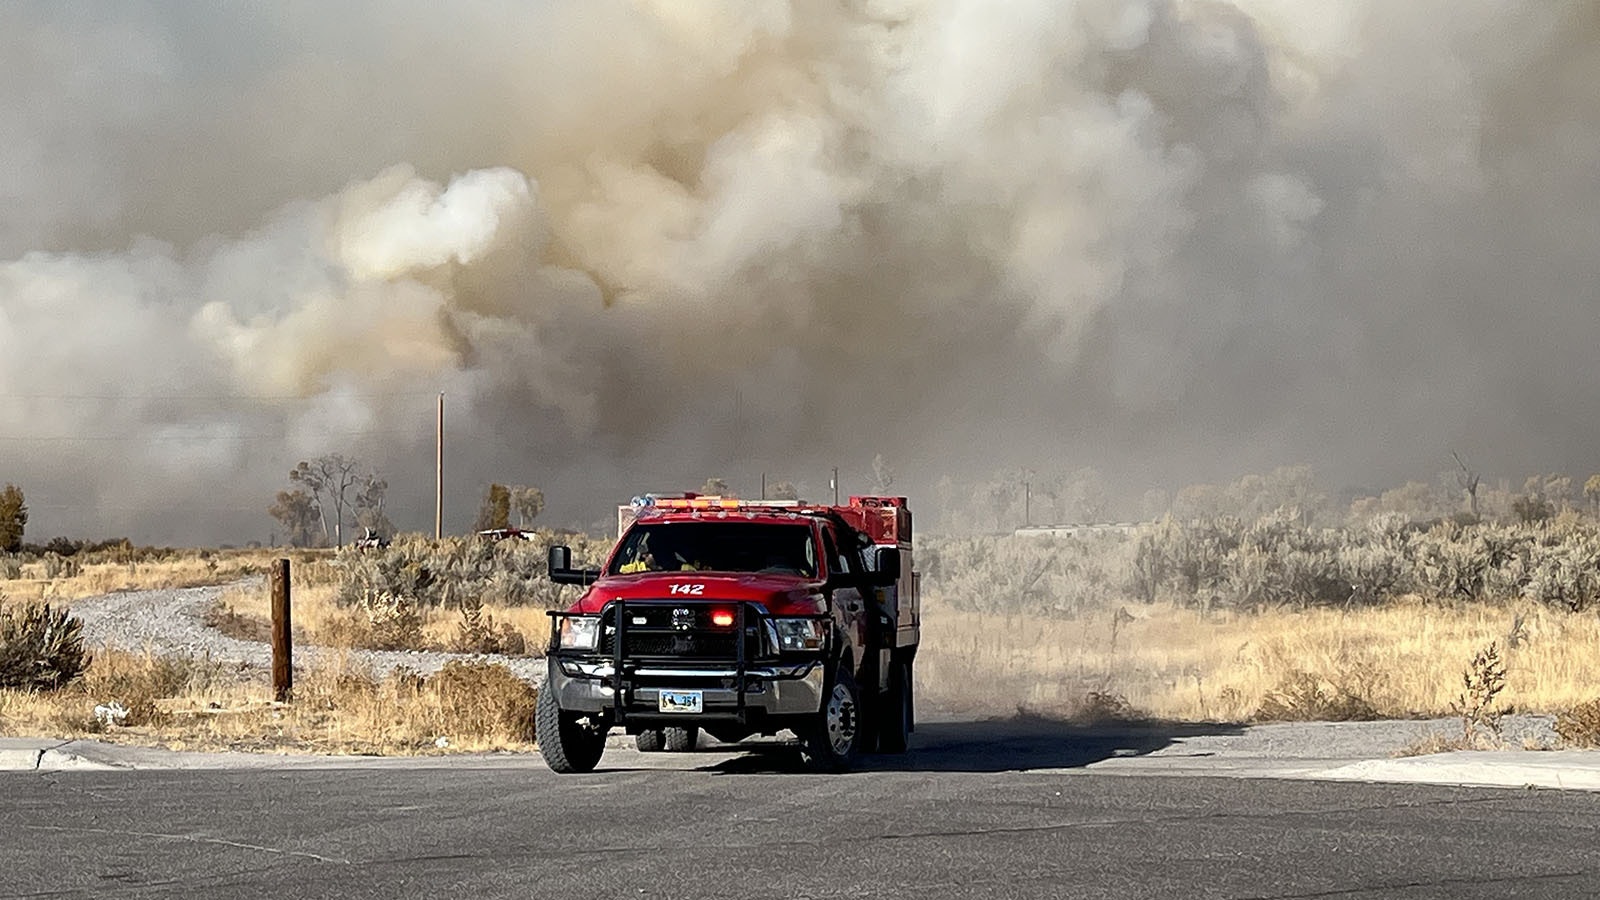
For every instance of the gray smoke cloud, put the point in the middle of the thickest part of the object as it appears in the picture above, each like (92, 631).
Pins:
(640, 243)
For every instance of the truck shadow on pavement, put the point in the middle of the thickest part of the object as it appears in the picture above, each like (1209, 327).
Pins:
(1011, 744)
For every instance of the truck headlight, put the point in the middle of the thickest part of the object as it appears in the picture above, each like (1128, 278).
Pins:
(579, 632)
(801, 634)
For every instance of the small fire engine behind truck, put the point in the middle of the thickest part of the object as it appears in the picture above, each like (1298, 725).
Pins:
(737, 618)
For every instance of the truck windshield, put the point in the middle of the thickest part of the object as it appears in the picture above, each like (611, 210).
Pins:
(717, 547)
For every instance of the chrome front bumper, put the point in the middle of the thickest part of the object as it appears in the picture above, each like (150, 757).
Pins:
(782, 690)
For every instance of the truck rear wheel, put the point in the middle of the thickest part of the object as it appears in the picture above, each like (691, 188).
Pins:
(567, 744)
(894, 719)
(681, 739)
(673, 739)
(831, 742)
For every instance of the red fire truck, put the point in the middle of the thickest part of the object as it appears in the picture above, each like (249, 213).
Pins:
(737, 618)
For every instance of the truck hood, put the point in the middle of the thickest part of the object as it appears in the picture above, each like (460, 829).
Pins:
(782, 595)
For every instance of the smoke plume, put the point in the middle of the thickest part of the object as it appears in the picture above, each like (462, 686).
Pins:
(641, 243)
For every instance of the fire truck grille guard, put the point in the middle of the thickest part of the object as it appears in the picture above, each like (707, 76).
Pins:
(676, 643)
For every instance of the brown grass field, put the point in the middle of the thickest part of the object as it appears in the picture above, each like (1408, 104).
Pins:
(200, 705)
(104, 574)
(1404, 658)
(246, 612)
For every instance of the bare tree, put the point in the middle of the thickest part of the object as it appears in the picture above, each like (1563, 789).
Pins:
(495, 510)
(1468, 481)
(1087, 496)
(330, 479)
(1000, 495)
(297, 512)
(528, 503)
(369, 504)
(13, 517)
(882, 474)
(716, 487)
(1591, 490)
(783, 490)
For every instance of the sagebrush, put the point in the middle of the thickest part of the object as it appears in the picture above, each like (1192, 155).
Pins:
(1580, 725)
(449, 572)
(41, 646)
(1279, 560)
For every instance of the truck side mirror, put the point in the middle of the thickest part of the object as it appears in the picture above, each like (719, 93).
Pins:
(562, 572)
(887, 570)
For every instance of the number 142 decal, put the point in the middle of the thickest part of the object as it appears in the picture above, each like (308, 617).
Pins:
(694, 589)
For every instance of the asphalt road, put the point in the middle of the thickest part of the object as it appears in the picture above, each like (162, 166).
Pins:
(944, 823)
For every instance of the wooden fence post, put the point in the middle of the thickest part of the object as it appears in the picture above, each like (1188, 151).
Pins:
(282, 641)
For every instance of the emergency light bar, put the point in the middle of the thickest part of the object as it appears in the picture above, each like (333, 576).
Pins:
(714, 503)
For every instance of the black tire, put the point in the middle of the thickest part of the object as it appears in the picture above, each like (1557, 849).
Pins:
(566, 744)
(650, 740)
(682, 739)
(833, 740)
(894, 714)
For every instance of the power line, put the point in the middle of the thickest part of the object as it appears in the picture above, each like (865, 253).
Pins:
(259, 397)
(151, 507)
(192, 437)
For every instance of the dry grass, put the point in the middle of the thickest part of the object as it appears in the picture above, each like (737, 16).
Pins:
(105, 574)
(245, 612)
(201, 705)
(1580, 725)
(1402, 660)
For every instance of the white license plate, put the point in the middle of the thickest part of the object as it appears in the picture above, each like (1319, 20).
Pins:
(681, 701)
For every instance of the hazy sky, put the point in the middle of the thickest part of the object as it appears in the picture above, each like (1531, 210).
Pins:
(637, 244)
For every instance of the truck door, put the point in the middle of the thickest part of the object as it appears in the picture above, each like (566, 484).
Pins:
(844, 590)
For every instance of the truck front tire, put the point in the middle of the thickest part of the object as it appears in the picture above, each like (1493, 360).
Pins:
(830, 743)
(567, 744)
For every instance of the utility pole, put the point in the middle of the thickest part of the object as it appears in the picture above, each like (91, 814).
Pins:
(763, 485)
(282, 632)
(1027, 504)
(834, 483)
(438, 474)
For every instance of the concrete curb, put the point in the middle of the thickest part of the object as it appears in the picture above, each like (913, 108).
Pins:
(20, 759)
(1572, 770)
(47, 755)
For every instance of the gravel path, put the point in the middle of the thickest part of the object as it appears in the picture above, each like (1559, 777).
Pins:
(169, 622)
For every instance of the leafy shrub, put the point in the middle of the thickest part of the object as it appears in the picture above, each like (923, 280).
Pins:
(1481, 683)
(240, 626)
(393, 622)
(1580, 725)
(138, 681)
(41, 648)
(1304, 697)
(58, 566)
(1281, 560)
(479, 698)
(478, 632)
(448, 572)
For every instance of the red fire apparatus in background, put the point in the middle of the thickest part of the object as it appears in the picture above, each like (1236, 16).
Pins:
(738, 618)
